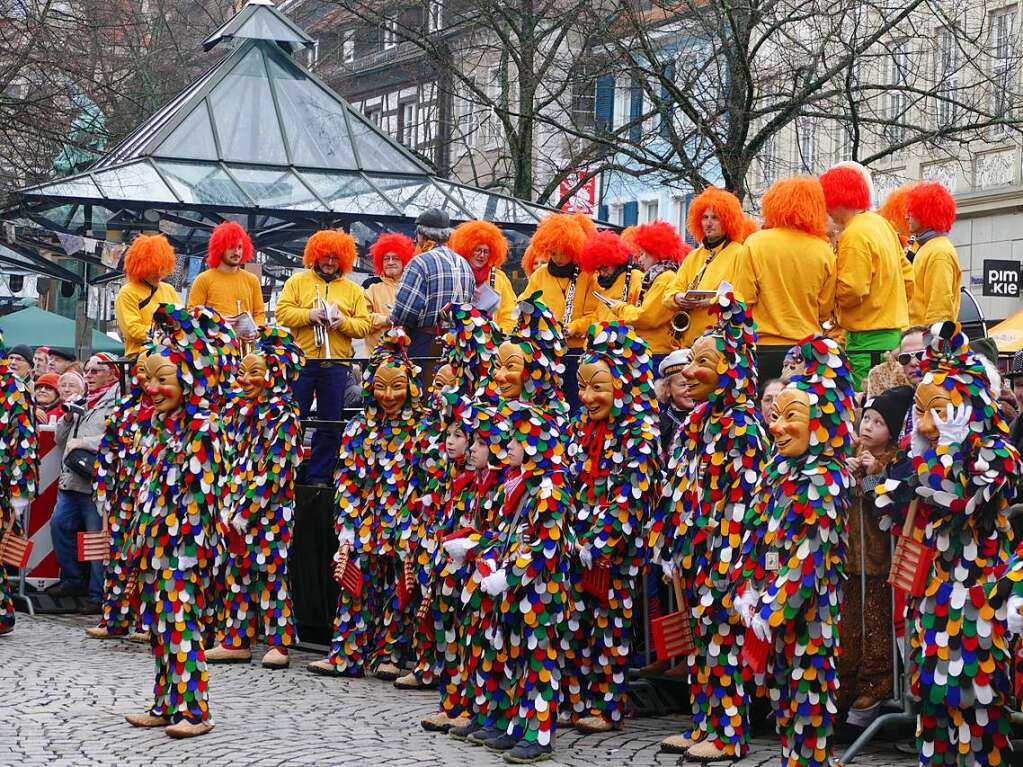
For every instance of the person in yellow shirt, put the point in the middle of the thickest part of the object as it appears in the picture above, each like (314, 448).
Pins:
(874, 280)
(148, 260)
(894, 210)
(324, 311)
(659, 249)
(717, 222)
(484, 246)
(606, 256)
(787, 269)
(225, 286)
(937, 276)
(391, 252)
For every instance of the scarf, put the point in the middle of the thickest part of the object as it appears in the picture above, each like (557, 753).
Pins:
(606, 283)
(568, 270)
(94, 395)
(481, 274)
(652, 274)
(710, 244)
(328, 278)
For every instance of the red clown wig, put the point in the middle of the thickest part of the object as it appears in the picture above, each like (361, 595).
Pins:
(603, 249)
(845, 187)
(391, 242)
(560, 233)
(466, 237)
(330, 242)
(728, 209)
(932, 206)
(796, 203)
(659, 240)
(228, 234)
(149, 258)
(894, 209)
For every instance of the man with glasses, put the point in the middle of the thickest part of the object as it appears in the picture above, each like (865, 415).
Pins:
(911, 351)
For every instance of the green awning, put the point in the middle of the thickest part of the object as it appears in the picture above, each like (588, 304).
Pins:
(38, 327)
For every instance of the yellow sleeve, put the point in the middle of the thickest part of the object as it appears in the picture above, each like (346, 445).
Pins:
(130, 319)
(258, 307)
(198, 294)
(826, 300)
(941, 288)
(532, 286)
(585, 311)
(635, 286)
(356, 324)
(854, 273)
(290, 312)
(503, 318)
(654, 311)
(683, 277)
(747, 282)
(907, 276)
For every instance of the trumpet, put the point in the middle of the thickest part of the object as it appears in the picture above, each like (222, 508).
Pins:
(679, 324)
(320, 335)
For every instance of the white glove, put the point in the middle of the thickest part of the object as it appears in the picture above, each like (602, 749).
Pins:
(18, 505)
(586, 557)
(955, 427)
(745, 604)
(761, 628)
(458, 548)
(496, 583)
(918, 445)
(346, 537)
(668, 569)
(239, 523)
(1013, 618)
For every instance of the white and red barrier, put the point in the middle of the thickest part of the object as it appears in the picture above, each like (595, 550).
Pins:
(42, 565)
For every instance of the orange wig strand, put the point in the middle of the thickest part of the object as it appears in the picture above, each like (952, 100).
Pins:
(894, 209)
(603, 249)
(728, 209)
(796, 203)
(584, 221)
(659, 240)
(330, 242)
(228, 234)
(559, 233)
(149, 258)
(391, 242)
(932, 206)
(468, 236)
(750, 226)
(845, 187)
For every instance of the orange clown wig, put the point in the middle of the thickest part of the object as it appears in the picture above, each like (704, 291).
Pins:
(391, 242)
(149, 259)
(330, 242)
(845, 187)
(560, 233)
(604, 249)
(932, 206)
(894, 209)
(727, 208)
(796, 203)
(659, 240)
(225, 236)
(470, 235)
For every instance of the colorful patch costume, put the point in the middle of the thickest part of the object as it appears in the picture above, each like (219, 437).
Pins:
(376, 459)
(964, 482)
(614, 467)
(792, 576)
(175, 538)
(267, 446)
(19, 472)
(713, 479)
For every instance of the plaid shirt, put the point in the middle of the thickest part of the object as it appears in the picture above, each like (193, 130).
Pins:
(431, 281)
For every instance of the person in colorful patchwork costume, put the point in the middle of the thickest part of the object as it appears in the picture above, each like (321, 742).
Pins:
(615, 471)
(377, 455)
(119, 476)
(19, 470)
(261, 503)
(175, 538)
(963, 468)
(790, 586)
(713, 478)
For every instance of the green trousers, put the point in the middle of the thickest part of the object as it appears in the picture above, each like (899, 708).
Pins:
(860, 343)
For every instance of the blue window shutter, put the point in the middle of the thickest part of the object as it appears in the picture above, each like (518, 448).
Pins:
(685, 229)
(602, 212)
(635, 110)
(667, 105)
(630, 214)
(604, 109)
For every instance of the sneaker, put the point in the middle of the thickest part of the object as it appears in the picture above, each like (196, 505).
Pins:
(484, 734)
(528, 753)
(463, 732)
(505, 742)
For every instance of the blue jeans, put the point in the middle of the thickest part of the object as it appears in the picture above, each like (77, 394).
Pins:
(75, 512)
(328, 383)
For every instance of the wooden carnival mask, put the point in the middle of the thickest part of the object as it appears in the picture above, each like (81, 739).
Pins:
(510, 370)
(252, 376)
(444, 378)
(162, 383)
(928, 398)
(596, 389)
(790, 422)
(390, 389)
(702, 372)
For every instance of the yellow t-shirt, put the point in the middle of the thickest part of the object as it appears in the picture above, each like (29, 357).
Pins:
(937, 278)
(652, 318)
(873, 276)
(555, 291)
(297, 299)
(230, 293)
(723, 268)
(380, 298)
(135, 322)
(617, 293)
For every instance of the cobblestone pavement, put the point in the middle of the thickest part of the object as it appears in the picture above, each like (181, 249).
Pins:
(63, 698)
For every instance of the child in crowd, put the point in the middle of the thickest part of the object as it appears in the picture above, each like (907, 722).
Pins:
(672, 390)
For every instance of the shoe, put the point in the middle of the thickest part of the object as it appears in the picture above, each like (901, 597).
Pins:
(147, 720)
(91, 607)
(441, 722)
(528, 753)
(504, 743)
(141, 637)
(677, 744)
(464, 731)
(387, 671)
(323, 668)
(863, 711)
(102, 632)
(275, 659)
(186, 729)
(483, 734)
(590, 725)
(221, 654)
(706, 751)
(409, 682)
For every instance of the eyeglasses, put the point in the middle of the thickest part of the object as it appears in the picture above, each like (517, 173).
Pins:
(905, 358)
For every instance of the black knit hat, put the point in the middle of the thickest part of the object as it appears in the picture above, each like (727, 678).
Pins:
(64, 354)
(1015, 367)
(25, 352)
(892, 405)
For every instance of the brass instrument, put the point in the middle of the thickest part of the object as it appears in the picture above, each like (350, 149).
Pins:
(679, 324)
(321, 336)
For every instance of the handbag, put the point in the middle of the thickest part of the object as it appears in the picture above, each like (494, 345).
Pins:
(81, 460)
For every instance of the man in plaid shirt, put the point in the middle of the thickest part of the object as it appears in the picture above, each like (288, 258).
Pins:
(436, 277)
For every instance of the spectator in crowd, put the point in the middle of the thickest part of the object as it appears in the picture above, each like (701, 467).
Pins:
(41, 361)
(484, 246)
(787, 269)
(717, 222)
(772, 388)
(324, 311)
(19, 359)
(61, 360)
(937, 276)
(672, 390)
(911, 351)
(436, 277)
(149, 259)
(225, 285)
(874, 278)
(81, 428)
(1009, 404)
(533, 259)
(391, 253)
(1014, 378)
(71, 386)
(49, 408)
